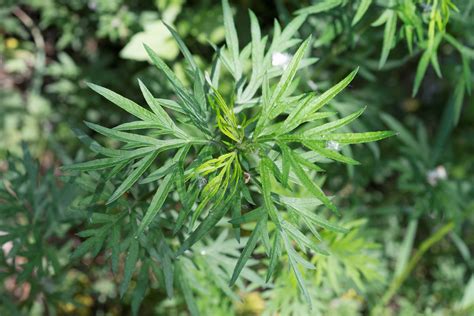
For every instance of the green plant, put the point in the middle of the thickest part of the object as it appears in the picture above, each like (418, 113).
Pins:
(34, 234)
(261, 148)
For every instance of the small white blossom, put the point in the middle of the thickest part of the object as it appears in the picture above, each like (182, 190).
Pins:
(313, 85)
(202, 182)
(247, 177)
(203, 252)
(281, 59)
(333, 145)
(433, 176)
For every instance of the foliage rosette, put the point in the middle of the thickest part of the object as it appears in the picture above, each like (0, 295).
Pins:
(250, 158)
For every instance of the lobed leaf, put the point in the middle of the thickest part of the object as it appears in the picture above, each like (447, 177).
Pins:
(388, 36)
(130, 262)
(301, 113)
(310, 185)
(157, 202)
(361, 10)
(124, 103)
(133, 177)
(331, 126)
(248, 249)
(321, 6)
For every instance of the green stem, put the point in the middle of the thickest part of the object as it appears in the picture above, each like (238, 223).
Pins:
(40, 61)
(398, 281)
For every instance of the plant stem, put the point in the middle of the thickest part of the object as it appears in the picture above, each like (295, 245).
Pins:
(40, 62)
(398, 281)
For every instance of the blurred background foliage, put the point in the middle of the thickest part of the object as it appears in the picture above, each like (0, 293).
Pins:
(409, 205)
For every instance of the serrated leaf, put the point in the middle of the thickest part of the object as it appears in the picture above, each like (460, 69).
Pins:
(137, 125)
(124, 136)
(356, 138)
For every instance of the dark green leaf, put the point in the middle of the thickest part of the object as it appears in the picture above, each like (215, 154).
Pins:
(130, 262)
(248, 249)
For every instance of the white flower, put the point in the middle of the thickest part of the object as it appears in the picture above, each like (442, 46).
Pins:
(433, 176)
(333, 145)
(313, 85)
(281, 59)
(202, 182)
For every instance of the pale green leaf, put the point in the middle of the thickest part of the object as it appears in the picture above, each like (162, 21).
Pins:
(388, 36)
(301, 113)
(126, 104)
(286, 79)
(331, 154)
(321, 6)
(155, 106)
(361, 10)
